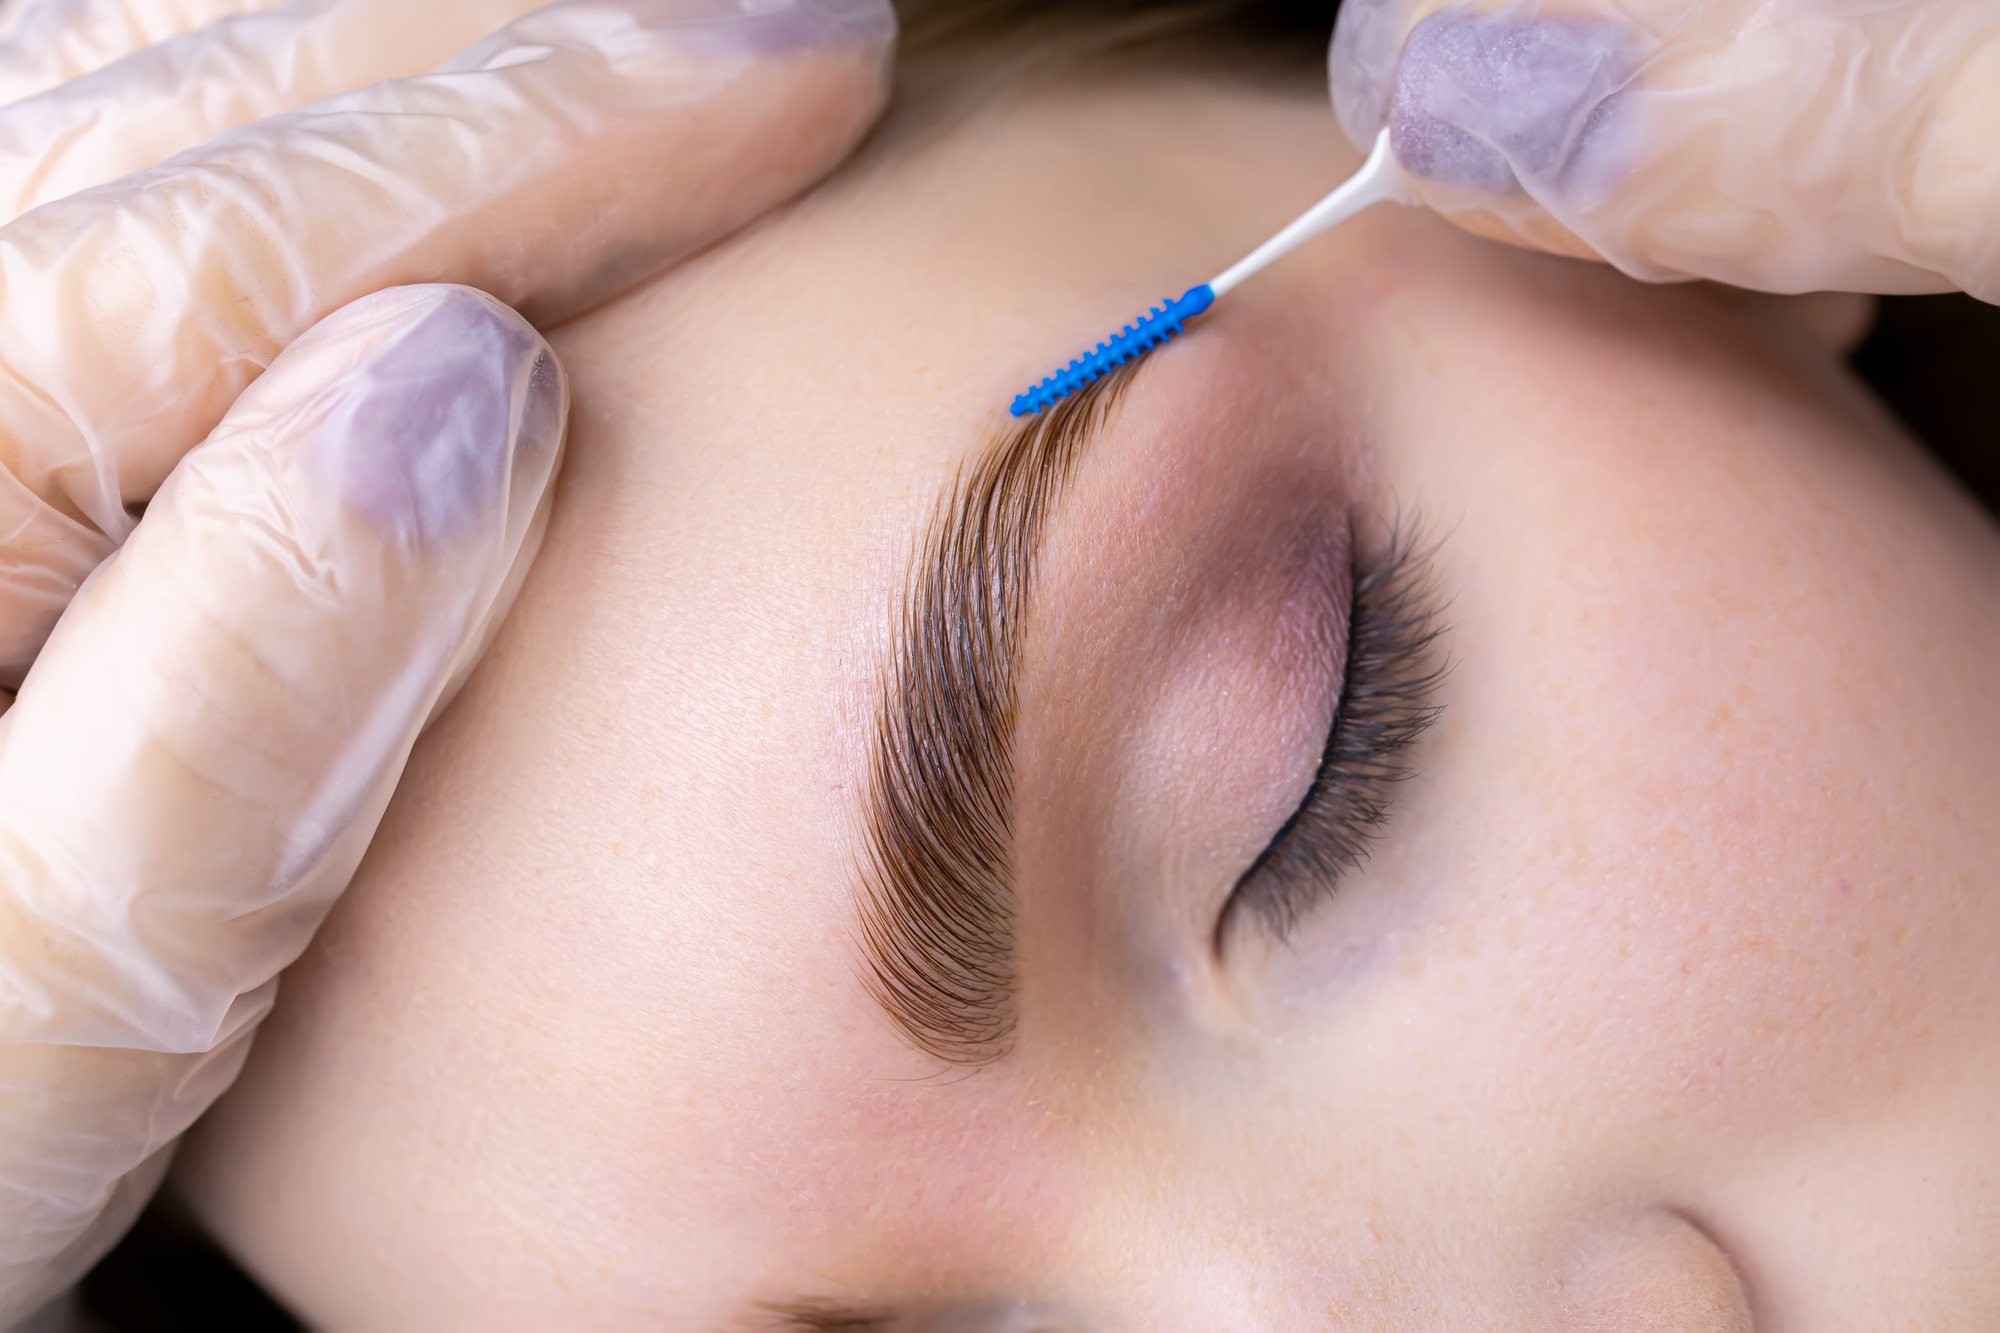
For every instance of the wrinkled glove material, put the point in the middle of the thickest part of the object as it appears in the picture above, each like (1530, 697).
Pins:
(1783, 145)
(192, 771)
(581, 148)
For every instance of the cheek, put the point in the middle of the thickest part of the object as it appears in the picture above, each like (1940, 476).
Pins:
(1688, 920)
(1693, 846)
(1676, 877)
(1683, 880)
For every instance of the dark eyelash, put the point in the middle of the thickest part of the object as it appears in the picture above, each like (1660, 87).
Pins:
(1386, 703)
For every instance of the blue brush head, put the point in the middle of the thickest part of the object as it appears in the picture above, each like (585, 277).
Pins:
(1155, 329)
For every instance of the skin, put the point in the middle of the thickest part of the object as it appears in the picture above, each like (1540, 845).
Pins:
(1669, 999)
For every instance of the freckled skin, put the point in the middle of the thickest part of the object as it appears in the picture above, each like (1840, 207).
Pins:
(1667, 1001)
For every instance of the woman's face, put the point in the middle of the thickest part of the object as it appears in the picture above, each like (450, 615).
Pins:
(1667, 996)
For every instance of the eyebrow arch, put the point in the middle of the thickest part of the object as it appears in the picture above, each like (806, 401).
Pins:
(936, 902)
(827, 1317)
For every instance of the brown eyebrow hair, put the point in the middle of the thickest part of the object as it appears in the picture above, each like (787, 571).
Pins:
(937, 902)
(827, 1317)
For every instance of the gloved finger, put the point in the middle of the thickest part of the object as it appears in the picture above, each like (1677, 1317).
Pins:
(55, 40)
(1794, 145)
(196, 763)
(178, 94)
(575, 152)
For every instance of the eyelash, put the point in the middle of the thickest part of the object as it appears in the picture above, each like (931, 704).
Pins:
(1387, 702)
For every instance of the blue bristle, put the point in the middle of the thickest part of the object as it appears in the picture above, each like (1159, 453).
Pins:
(1158, 327)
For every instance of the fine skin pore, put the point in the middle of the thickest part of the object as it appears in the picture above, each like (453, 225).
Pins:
(1668, 999)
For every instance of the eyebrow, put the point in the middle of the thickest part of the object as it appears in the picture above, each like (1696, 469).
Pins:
(937, 921)
(827, 1317)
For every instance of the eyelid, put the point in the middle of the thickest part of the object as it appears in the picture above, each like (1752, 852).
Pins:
(1387, 702)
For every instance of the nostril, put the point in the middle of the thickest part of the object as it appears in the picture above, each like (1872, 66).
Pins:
(1483, 101)
(427, 430)
(1658, 1270)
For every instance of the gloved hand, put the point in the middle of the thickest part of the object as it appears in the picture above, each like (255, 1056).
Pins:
(201, 752)
(552, 163)
(1783, 145)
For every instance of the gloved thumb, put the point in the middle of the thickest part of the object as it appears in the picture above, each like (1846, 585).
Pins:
(1785, 145)
(203, 750)
(1487, 111)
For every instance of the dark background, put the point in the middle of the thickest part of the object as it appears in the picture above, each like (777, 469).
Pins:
(1934, 360)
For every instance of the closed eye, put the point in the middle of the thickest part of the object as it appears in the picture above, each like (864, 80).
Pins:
(1387, 702)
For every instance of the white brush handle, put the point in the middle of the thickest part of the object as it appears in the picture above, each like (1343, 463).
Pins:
(1380, 181)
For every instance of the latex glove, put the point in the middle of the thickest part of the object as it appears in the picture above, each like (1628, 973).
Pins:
(201, 752)
(60, 39)
(198, 760)
(1784, 145)
(551, 163)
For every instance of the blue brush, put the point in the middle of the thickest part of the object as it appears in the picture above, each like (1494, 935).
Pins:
(1378, 181)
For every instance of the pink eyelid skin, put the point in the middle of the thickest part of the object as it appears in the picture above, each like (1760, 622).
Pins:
(1185, 653)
